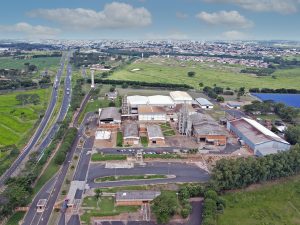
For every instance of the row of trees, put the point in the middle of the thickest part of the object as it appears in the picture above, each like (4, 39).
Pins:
(65, 146)
(258, 71)
(270, 90)
(142, 84)
(231, 174)
(77, 94)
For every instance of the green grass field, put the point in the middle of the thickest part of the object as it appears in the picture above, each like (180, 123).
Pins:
(17, 121)
(106, 208)
(100, 157)
(274, 204)
(41, 63)
(171, 71)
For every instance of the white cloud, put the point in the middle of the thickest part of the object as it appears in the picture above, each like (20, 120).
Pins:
(226, 18)
(181, 15)
(114, 15)
(29, 30)
(280, 6)
(234, 35)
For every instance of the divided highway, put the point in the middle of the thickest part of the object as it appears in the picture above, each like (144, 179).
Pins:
(33, 141)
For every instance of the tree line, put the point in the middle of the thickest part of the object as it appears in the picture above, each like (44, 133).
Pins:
(142, 84)
(270, 90)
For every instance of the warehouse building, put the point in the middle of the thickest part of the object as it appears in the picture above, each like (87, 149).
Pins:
(109, 118)
(155, 135)
(181, 97)
(205, 129)
(148, 113)
(133, 102)
(204, 103)
(256, 137)
(234, 105)
(131, 134)
(135, 197)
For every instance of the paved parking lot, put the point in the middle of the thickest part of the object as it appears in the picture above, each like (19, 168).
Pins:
(184, 172)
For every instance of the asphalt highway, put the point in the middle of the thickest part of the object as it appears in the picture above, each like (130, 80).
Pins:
(36, 136)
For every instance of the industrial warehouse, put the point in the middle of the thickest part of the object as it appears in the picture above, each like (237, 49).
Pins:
(178, 119)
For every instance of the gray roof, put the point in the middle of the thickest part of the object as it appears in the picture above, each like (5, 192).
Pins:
(131, 130)
(204, 101)
(110, 113)
(136, 195)
(205, 125)
(154, 131)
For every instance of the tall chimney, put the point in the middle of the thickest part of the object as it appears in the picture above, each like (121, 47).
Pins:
(92, 78)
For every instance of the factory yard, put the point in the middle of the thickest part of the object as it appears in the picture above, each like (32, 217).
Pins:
(169, 70)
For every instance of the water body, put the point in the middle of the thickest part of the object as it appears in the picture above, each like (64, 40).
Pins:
(288, 99)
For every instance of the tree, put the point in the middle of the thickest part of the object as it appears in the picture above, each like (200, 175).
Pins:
(164, 207)
(98, 194)
(201, 84)
(220, 99)
(124, 85)
(112, 88)
(191, 73)
(292, 134)
(241, 92)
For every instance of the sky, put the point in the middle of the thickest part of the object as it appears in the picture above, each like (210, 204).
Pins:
(151, 19)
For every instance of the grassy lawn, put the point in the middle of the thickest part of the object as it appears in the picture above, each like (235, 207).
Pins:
(127, 188)
(100, 157)
(144, 141)
(162, 156)
(41, 63)
(119, 139)
(167, 130)
(17, 121)
(130, 177)
(163, 70)
(274, 204)
(15, 218)
(106, 208)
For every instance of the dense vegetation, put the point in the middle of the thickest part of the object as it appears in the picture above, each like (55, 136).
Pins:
(77, 94)
(65, 146)
(269, 90)
(286, 113)
(239, 173)
(259, 71)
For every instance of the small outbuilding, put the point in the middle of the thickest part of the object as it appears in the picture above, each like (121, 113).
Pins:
(155, 135)
(234, 105)
(135, 197)
(204, 103)
(131, 134)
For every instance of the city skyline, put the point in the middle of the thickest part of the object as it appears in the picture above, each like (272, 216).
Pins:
(152, 19)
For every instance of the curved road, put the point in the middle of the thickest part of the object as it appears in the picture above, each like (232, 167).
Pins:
(9, 172)
(184, 172)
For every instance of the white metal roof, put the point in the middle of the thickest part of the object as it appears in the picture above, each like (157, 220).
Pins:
(160, 100)
(137, 100)
(203, 101)
(264, 130)
(180, 96)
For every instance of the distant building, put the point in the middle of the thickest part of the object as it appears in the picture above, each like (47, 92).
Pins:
(181, 97)
(204, 103)
(135, 197)
(147, 113)
(111, 95)
(234, 105)
(131, 134)
(155, 135)
(256, 137)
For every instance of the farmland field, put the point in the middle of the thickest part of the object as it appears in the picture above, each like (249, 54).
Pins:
(164, 70)
(41, 63)
(17, 121)
(269, 204)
